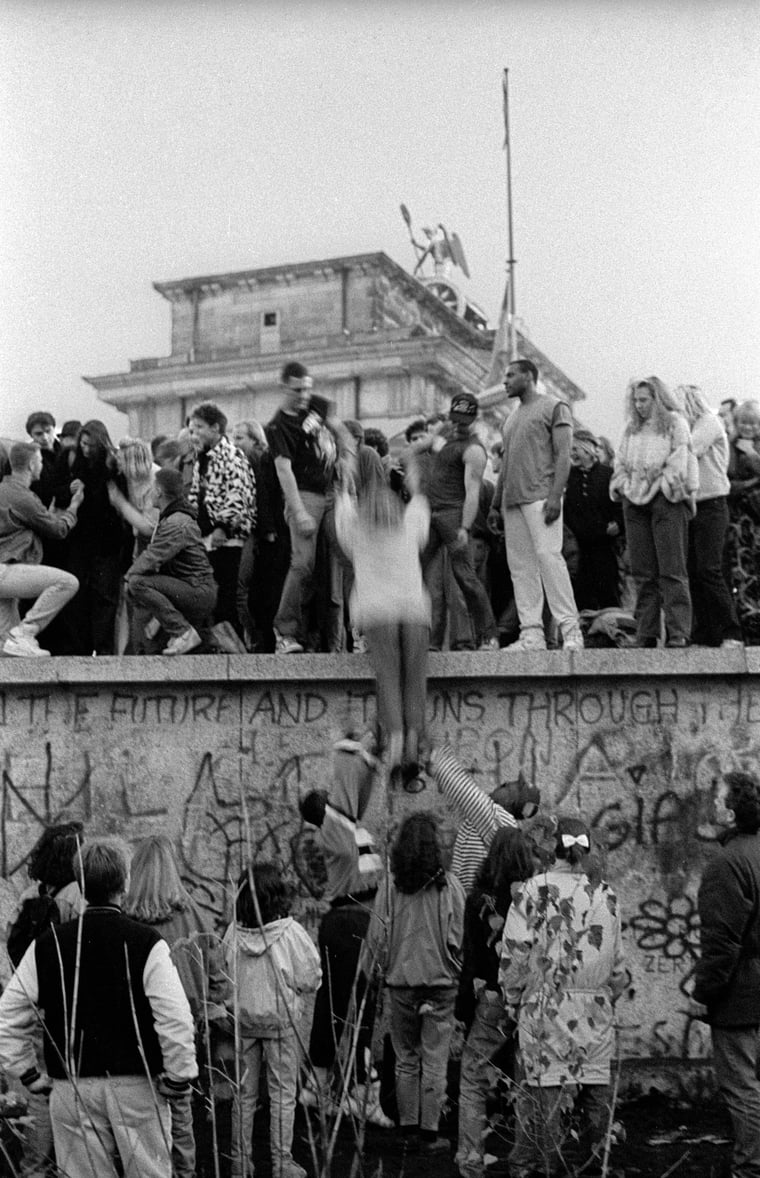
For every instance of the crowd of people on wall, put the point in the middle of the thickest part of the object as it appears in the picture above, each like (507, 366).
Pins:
(127, 1017)
(248, 537)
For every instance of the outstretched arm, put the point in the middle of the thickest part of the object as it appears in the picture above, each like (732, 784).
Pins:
(473, 804)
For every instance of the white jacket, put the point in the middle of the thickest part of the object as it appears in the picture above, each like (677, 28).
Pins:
(271, 969)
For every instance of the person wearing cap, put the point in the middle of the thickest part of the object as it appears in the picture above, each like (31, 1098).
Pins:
(596, 522)
(528, 499)
(305, 455)
(453, 490)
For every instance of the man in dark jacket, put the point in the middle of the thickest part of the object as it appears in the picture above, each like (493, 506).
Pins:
(728, 974)
(172, 579)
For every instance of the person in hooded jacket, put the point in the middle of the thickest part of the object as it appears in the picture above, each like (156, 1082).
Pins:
(272, 962)
(172, 579)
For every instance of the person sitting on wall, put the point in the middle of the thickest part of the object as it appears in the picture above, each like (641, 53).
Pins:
(172, 580)
(24, 523)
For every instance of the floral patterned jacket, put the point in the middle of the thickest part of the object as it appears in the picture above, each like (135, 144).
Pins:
(229, 490)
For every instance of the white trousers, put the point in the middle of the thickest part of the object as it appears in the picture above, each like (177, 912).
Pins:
(99, 1117)
(537, 566)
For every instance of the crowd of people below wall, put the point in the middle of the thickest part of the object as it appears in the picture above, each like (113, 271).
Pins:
(128, 1018)
(533, 536)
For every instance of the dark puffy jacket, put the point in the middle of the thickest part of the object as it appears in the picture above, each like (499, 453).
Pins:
(728, 972)
(176, 549)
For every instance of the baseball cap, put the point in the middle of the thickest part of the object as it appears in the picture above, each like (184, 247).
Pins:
(464, 407)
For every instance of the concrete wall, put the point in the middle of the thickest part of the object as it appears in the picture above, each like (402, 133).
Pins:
(216, 750)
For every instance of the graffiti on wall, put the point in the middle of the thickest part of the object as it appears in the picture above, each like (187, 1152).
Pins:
(222, 770)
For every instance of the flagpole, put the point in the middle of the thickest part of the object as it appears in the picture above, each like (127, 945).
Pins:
(511, 258)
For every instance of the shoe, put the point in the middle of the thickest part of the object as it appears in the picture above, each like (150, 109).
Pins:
(286, 645)
(732, 644)
(287, 1168)
(364, 1103)
(440, 1145)
(490, 644)
(573, 641)
(311, 1096)
(529, 641)
(678, 643)
(183, 643)
(359, 643)
(21, 644)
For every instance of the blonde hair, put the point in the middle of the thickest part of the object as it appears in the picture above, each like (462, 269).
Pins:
(380, 510)
(155, 889)
(695, 403)
(665, 405)
(136, 462)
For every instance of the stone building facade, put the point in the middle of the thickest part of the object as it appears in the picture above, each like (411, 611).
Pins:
(380, 345)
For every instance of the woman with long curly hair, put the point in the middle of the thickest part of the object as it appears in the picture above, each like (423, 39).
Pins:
(98, 548)
(415, 936)
(134, 461)
(158, 897)
(657, 480)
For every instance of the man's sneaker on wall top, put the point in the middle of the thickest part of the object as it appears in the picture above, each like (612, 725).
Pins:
(21, 644)
(573, 640)
(286, 645)
(183, 643)
(490, 644)
(529, 640)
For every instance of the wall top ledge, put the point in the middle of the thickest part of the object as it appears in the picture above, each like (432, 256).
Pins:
(651, 664)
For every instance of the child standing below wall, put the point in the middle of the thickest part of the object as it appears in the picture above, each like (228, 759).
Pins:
(415, 938)
(272, 962)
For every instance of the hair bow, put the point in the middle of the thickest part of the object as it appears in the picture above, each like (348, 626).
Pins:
(575, 840)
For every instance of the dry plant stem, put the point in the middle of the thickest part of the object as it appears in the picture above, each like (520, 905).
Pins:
(212, 1104)
(672, 1169)
(613, 1106)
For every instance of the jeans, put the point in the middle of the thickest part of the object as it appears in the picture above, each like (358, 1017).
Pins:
(303, 554)
(421, 1042)
(657, 535)
(177, 604)
(540, 1130)
(225, 564)
(399, 658)
(341, 574)
(107, 1115)
(341, 937)
(478, 1077)
(444, 524)
(51, 587)
(736, 1057)
(713, 606)
(447, 606)
(534, 554)
(280, 1054)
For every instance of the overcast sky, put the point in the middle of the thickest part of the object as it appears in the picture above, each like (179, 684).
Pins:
(145, 141)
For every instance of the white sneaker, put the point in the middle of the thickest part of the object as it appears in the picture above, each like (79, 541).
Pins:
(359, 642)
(573, 640)
(285, 645)
(732, 644)
(490, 644)
(22, 645)
(183, 643)
(530, 640)
(364, 1103)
